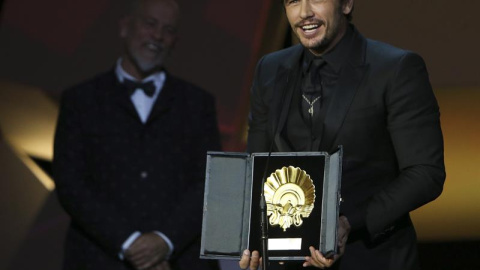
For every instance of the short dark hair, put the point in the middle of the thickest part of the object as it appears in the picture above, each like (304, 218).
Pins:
(349, 16)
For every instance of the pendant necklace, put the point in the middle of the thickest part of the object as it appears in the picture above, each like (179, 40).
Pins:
(310, 111)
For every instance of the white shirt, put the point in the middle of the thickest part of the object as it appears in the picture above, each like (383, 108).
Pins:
(141, 101)
(143, 104)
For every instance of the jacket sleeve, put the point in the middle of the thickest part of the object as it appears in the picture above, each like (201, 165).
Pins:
(183, 227)
(258, 140)
(90, 211)
(413, 122)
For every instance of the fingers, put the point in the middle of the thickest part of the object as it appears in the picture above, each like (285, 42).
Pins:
(245, 260)
(138, 257)
(164, 265)
(151, 261)
(137, 247)
(255, 260)
(344, 225)
(252, 262)
(343, 232)
(317, 259)
(146, 251)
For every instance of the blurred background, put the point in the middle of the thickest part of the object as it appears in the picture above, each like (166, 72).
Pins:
(47, 46)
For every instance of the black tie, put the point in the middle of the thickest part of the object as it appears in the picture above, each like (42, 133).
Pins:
(147, 87)
(312, 90)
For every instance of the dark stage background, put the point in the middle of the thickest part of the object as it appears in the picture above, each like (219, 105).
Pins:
(46, 46)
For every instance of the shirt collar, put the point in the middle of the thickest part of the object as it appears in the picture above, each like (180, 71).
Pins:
(336, 57)
(158, 78)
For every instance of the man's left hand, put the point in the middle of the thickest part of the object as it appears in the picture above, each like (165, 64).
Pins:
(318, 260)
(147, 251)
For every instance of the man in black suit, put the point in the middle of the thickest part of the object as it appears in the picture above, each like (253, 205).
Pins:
(130, 151)
(339, 88)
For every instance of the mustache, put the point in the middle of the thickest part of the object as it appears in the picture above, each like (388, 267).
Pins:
(158, 45)
(309, 21)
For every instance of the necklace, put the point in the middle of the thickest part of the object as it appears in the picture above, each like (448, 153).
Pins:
(310, 111)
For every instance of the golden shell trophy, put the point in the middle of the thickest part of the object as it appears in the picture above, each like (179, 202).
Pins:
(290, 196)
(296, 209)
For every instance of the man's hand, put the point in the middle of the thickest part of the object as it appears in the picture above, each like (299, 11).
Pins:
(250, 262)
(164, 265)
(317, 259)
(149, 250)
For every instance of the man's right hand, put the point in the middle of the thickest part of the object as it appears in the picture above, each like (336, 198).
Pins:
(147, 251)
(252, 262)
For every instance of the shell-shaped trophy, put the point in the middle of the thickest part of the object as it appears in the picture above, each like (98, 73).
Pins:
(290, 196)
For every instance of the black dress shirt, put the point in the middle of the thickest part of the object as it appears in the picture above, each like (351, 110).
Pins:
(305, 135)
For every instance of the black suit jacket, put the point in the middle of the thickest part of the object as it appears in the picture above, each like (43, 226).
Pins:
(384, 113)
(115, 175)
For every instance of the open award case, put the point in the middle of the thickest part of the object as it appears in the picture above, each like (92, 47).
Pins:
(302, 192)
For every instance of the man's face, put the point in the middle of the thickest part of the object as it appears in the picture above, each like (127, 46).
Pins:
(318, 24)
(150, 34)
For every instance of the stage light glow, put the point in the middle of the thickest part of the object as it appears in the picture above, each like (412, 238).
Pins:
(27, 122)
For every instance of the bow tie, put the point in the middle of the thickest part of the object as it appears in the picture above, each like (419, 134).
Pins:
(147, 87)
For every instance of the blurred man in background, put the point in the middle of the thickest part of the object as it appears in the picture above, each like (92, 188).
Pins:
(130, 151)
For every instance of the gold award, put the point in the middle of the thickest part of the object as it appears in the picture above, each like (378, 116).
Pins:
(290, 195)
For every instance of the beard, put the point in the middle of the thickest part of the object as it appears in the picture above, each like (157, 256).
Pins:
(145, 65)
(331, 35)
(318, 45)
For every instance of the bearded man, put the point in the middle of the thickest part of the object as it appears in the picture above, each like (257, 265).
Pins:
(338, 88)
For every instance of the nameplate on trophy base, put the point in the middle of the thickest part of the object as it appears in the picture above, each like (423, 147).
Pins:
(284, 243)
(302, 193)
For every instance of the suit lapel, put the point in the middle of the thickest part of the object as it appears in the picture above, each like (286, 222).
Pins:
(119, 96)
(285, 84)
(350, 79)
(165, 99)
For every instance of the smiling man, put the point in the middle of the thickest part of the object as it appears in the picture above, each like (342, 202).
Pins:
(338, 88)
(130, 150)
(150, 34)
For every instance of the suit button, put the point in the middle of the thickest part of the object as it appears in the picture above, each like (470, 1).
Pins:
(144, 175)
